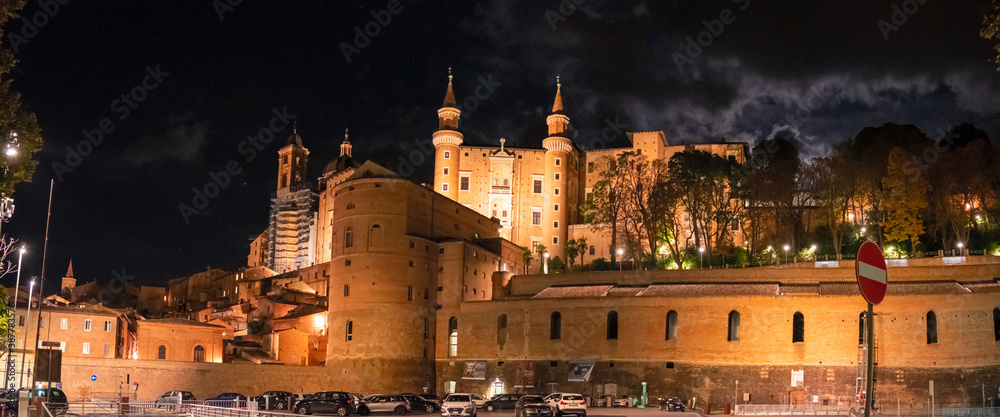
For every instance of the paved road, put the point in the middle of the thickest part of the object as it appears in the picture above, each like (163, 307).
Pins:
(608, 412)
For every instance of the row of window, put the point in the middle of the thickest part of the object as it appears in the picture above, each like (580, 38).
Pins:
(199, 353)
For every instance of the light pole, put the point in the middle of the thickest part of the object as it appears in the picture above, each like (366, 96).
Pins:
(545, 265)
(31, 289)
(12, 327)
(701, 254)
(786, 254)
(620, 252)
(960, 248)
(813, 249)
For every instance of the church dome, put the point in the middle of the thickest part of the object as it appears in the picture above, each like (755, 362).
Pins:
(340, 164)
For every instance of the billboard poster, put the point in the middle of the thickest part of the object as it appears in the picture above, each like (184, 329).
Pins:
(580, 371)
(475, 370)
(526, 374)
(798, 377)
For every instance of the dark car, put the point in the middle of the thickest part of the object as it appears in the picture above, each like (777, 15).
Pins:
(327, 402)
(672, 404)
(57, 403)
(431, 398)
(227, 399)
(502, 402)
(418, 403)
(170, 397)
(532, 406)
(274, 400)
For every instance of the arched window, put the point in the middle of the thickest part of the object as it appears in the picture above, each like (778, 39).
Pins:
(612, 325)
(798, 328)
(350, 206)
(161, 352)
(199, 353)
(375, 236)
(453, 336)
(734, 326)
(349, 334)
(555, 326)
(931, 327)
(671, 331)
(861, 328)
(349, 237)
(996, 324)
(502, 330)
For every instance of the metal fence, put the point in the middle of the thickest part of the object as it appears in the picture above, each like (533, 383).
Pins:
(971, 412)
(790, 410)
(227, 408)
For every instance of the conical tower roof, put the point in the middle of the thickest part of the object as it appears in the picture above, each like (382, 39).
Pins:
(449, 97)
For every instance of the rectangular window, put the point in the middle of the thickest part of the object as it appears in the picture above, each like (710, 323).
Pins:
(63, 324)
(20, 321)
(590, 167)
(107, 325)
(555, 191)
(445, 170)
(555, 224)
(347, 262)
(590, 196)
(411, 264)
(555, 207)
(505, 213)
(557, 176)
(558, 161)
(409, 293)
(735, 224)
(555, 240)
(538, 187)
(592, 249)
(86, 348)
(536, 218)
(463, 184)
(444, 187)
(447, 155)
(506, 182)
(347, 290)
(107, 350)
(413, 244)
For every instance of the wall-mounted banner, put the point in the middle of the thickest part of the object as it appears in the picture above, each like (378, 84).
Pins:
(580, 371)
(526, 374)
(475, 370)
(798, 377)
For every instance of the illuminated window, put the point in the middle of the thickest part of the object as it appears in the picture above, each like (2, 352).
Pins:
(734, 326)
(444, 187)
(798, 328)
(555, 326)
(453, 337)
(612, 325)
(931, 327)
(87, 325)
(199, 353)
(671, 332)
(86, 348)
(350, 330)
(447, 154)
(63, 324)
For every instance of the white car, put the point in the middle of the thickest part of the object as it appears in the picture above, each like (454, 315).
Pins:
(459, 405)
(566, 403)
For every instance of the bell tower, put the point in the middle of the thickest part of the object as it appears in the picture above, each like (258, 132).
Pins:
(558, 151)
(447, 142)
(293, 159)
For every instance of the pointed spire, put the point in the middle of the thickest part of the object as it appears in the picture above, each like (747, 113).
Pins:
(449, 97)
(557, 106)
(295, 126)
(69, 272)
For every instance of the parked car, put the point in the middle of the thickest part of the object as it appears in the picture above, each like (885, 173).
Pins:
(275, 400)
(57, 402)
(431, 398)
(380, 403)
(565, 403)
(532, 406)
(327, 402)
(227, 399)
(672, 404)
(170, 397)
(418, 403)
(624, 401)
(479, 399)
(459, 405)
(502, 402)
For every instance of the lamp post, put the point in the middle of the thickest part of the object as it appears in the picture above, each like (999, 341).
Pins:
(31, 289)
(960, 245)
(786, 254)
(701, 254)
(620, 252)
(545, 265)
(813, 249)
(12, 327)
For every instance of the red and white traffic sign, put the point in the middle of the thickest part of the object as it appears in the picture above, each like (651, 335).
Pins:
(871, 272)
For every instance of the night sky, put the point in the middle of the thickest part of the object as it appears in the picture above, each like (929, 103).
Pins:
(819, 72)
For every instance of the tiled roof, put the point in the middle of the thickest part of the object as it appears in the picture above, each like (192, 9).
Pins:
(575, 291)
(710, 289)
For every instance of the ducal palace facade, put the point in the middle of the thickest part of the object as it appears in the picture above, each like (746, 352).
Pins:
(427, 293)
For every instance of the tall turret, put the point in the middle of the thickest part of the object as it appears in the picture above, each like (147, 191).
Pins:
(292, 161)
(447, 141)
(68, 282)
(558, 151)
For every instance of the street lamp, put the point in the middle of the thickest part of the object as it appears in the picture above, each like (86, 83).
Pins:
(27, 320)
(11, 345)
(11, 150)
(786, 254)
(620, 252)
(701, 254)
(960, 248)
(545, 265)
(863, 230)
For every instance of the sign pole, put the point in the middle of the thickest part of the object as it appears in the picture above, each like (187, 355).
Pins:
(869, 343)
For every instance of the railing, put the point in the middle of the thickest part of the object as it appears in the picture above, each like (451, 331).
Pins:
(790, 410)
(230, 408)
(209, 411)
(971, 412)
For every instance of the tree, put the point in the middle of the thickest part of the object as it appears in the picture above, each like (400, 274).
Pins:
(960, 185)
(772, 185)
(540, 250)
(906, 196)
(991, 28)
(605, 209)
(705, 182)
(527, 256)
(582, 247)
(571, 249)
(18, 127)
(665, 217)
(832, 185)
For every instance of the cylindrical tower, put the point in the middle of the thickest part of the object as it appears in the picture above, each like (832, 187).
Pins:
(558, 150)
(381, 314)
(447, 142)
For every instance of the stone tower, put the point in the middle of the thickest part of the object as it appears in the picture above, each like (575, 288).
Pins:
(68, 282)
(447, 140)
(291, 242)
(558, 151)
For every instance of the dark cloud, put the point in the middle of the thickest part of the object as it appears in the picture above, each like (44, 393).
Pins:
(179, 139)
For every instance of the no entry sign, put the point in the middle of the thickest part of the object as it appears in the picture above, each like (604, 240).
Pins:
(871, 272)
